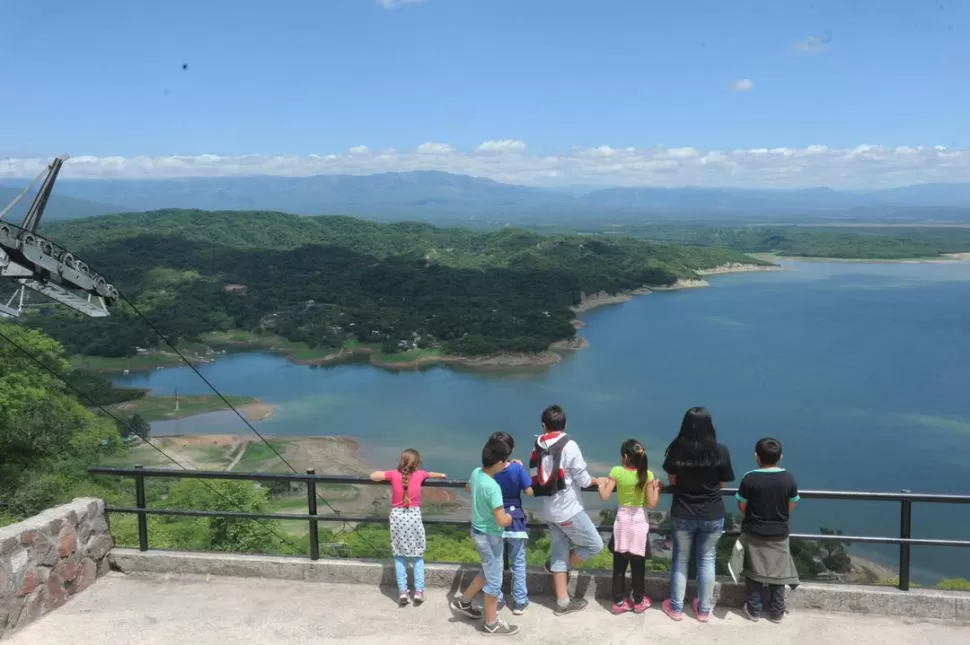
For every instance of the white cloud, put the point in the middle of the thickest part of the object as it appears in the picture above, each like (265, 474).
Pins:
(435, 148)
(742, 85)
(861, 166)
(813, 44)
(504, 145)
(394, 4)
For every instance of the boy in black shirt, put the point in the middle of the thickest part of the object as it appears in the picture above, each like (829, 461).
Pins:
(766, 497)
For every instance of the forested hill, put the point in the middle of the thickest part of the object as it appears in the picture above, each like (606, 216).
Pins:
(330, 281)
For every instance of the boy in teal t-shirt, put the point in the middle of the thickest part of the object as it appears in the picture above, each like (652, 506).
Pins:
(488, 521)
(486, 497)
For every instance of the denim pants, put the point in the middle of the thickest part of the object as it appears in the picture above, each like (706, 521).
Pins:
(578, 534)
(515, 548)
(490, 549)
(703, 535)
(401, 572)
(754, 595)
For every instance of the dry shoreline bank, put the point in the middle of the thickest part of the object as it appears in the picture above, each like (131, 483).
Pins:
(601, 299)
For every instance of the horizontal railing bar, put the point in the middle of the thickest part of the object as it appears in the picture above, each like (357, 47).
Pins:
(535, 525)
(932, 498)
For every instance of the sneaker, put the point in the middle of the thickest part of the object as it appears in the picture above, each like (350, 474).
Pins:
(643, 605)
(403, 599)
(701, 616)
(518, 610)
(777, 618)
(669, 610)
(500, 627)
(418, 598)
(465, 608)
(575, 604)
(750, 615)
(622, 607)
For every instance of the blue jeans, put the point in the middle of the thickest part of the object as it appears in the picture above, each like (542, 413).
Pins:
(401, 572)
(578, 534)
(704, 535)
(490, 549)
(515, 547)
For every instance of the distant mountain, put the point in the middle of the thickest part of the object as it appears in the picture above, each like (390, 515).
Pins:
(385, 193)
(438, 195)
(59, 207)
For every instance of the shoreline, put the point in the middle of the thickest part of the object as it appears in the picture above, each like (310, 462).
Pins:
(943, 258)
(592, 301)
(501, 361)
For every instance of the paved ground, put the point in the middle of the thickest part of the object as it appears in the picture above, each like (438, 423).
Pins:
(135, 610)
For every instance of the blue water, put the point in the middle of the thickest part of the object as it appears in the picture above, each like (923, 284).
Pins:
(862, 370)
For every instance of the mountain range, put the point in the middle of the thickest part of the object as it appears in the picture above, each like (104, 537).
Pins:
(439, 194)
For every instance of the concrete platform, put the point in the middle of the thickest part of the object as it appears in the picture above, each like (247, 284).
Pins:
(151, 609)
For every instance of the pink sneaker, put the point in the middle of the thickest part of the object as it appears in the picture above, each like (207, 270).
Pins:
(669, 610)
(643, 605)
(622, 607)
(702, 617)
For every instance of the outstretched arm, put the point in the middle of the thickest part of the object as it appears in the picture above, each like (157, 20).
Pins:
(433, 475)
(378, 476)
(653, 492)
(606, 486)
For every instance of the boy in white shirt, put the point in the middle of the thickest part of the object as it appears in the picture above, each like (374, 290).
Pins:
(560, 474)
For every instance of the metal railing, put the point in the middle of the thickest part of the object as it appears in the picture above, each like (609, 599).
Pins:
(905, 499)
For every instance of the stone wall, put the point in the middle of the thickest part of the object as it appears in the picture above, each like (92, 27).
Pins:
(48, 558)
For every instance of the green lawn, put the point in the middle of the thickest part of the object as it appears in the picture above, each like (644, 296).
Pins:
(162, 408)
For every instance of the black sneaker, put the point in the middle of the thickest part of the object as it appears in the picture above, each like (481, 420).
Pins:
(777, 618)
(500, 628)
(575, 604)
(750, 615)
(465, 608)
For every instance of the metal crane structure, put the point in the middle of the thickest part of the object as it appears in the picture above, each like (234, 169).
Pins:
(31, 261)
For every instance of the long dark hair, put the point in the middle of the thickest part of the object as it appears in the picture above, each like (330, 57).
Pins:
(633, 454)
(696, 444)
(409, 463)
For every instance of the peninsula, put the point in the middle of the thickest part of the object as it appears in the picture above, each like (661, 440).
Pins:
(329, 289)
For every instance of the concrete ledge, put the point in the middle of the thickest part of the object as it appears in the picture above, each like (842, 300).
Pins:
(920, 603)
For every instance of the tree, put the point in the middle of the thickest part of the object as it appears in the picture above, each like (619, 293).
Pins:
(219, 533)
(137, 426)
(834, 554)
(47, 437)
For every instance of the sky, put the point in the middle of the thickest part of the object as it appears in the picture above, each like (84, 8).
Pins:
(769, 93)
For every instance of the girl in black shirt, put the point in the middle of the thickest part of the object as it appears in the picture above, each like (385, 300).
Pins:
(697, 467)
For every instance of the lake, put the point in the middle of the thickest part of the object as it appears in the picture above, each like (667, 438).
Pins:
(862, 370)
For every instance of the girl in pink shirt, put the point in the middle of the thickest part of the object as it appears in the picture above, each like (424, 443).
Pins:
(407, 528)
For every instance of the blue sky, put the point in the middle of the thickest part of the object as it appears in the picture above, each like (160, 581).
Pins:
(299, 78)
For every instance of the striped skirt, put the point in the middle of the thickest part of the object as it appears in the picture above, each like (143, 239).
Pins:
(630, 530)
(407, 532)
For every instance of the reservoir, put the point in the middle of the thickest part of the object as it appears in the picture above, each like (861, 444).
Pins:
(862, 370)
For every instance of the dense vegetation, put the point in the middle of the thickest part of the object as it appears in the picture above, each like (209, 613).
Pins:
(330, 281)
(47, 437)
(863, 243)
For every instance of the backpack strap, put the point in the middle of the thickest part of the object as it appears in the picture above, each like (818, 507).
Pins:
(555, 480)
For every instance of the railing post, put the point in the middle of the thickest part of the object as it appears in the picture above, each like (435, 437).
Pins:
(311, 503)
(141, 504)
(905, 533)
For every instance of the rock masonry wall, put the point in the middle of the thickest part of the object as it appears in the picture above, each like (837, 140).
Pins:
(48, 558)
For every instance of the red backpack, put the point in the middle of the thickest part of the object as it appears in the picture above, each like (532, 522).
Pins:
(546, 484)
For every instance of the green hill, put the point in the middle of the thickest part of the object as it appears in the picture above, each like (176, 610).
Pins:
(339, 282)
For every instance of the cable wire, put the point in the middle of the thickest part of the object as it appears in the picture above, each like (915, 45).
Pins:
(87, 396)
(138, 312)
